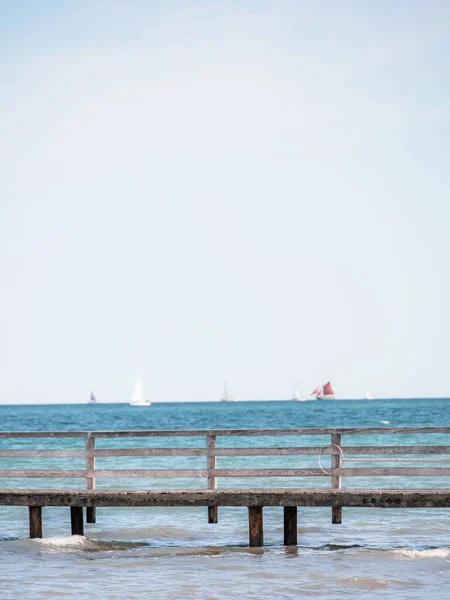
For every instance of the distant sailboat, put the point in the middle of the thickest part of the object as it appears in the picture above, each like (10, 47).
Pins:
(138, 397)
(368, 396)
(92, 399)
(324, 392)
(225, 395)
(297, 395)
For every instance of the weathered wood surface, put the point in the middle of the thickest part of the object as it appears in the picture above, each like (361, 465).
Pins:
(213, 451)
(35, 513)
(223, 432)
(290, 525)
(244, 473)
(213, 516)
(336, 480)
(76, 520)
(255, 526)
(90, 481)
(374, 498)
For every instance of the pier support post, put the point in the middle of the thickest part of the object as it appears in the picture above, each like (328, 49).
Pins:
(76, 519)
(91, 515)
(35, 521)
(255, 526)
(290, 525)
(336, 480)
(213, 516)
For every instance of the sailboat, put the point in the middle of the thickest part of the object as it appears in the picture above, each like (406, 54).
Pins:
(368, 396)
(297, 395)
(323, 392)
(92, 399)
(225, 395)
(138, 397)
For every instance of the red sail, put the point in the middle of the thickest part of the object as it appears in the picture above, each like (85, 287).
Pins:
(316, 391)
(327, 389)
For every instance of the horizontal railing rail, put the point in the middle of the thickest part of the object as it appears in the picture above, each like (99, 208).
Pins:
(224, 432)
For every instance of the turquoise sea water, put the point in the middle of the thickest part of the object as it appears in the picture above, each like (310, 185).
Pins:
(175, 553)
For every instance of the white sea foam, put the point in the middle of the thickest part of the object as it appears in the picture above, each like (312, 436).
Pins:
(430, 553)
(385, 422)
(67, 543)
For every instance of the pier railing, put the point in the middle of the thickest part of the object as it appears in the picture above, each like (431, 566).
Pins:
(397, 460)
(405, 460)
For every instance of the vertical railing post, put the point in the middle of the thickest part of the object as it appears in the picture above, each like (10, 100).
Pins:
(336, 480)
(212, 479)
(90, 479)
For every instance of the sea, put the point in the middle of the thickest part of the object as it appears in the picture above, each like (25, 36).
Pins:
(173, 553)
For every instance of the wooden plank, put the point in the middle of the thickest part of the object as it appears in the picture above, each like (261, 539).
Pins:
(241, 473)
(290, 525)
(369, 498)
(336, 480)
(39, 473)
(188, 473)
(153, 473)
(394, 472)
(76, 520)
(225, 432)
(255, 526)
(307, 472)
(42, 453)
(151, 452)
(352, 450)
(91, 516)
(35, 513)
(213, 516)
(242, 451)
(259, 451)
(43, 434)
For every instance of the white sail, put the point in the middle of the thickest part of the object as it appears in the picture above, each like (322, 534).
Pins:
(138, 397)
(297, 395)
(225, 395)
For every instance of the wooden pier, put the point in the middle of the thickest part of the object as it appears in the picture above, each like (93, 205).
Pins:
(403, 460)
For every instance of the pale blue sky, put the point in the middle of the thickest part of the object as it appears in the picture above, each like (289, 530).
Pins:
(200, 191)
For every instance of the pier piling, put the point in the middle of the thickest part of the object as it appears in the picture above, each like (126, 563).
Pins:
(290, 525)
(35, 521)
(255, 526)
(76, 519)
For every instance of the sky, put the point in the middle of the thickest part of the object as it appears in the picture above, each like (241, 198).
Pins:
(203, 191)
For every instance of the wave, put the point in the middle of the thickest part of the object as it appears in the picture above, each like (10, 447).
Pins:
(429, 553)
(366, 583)
(80, 543)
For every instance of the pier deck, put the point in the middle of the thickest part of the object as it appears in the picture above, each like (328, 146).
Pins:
(375, 498)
